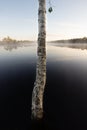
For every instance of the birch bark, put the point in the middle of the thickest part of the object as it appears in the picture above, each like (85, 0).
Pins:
(39, 85)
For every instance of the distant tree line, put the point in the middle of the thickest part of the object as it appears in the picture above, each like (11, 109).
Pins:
(76, 40)
(9, 40)
(13, 41)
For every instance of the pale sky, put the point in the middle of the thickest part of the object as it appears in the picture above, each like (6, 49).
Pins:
(18, 19)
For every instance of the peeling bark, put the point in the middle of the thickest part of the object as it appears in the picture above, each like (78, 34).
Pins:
(39, 85)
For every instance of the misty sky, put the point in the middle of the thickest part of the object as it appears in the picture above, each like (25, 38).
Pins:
(18, 19)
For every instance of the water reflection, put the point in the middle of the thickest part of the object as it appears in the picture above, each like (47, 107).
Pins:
(65, 98)
(81, 46)
(14, 46)
(10, 47)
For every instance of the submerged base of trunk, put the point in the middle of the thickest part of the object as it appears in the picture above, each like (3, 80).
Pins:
(37, 114)
(40, 124)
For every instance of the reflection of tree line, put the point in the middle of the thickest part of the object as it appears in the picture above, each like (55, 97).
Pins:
(72, 45)
(10, 47)
(78, 46)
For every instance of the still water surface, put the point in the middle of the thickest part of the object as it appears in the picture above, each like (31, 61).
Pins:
(65, 98)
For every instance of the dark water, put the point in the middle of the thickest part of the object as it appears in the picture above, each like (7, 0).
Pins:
(65, 98)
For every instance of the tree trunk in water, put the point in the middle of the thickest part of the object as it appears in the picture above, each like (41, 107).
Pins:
(39, 85)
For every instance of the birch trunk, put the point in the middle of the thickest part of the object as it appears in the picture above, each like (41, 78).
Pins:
(39, 85)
